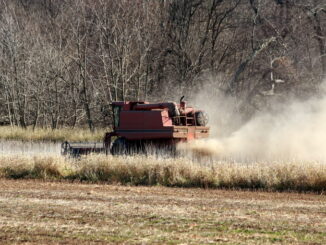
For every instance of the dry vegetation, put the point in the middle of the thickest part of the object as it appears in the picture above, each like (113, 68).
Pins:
(34, 212)
(137, 170)
(48, 134)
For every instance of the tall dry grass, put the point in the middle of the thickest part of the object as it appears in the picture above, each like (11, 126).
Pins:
(47, 134)
(138, 170)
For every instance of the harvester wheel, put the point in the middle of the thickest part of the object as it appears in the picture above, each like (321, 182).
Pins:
(119, 147)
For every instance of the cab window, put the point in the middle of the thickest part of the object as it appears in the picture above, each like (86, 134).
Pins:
(116, 115)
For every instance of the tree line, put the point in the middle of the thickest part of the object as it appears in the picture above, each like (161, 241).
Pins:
(62, 62)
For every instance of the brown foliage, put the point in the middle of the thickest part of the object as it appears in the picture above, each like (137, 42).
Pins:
(63, 62)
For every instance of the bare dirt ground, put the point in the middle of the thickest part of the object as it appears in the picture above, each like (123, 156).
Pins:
(35, 212)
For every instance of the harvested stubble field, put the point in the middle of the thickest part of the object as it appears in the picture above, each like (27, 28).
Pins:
(37, 212)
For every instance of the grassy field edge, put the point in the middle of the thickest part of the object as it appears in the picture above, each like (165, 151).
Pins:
(53, 135)
(139, 170)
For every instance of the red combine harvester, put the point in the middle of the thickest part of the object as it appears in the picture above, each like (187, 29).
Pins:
(139, 125)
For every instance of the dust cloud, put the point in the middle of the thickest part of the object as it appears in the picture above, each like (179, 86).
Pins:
(295, 131)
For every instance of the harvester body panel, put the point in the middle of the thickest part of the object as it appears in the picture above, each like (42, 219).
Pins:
(155, 119)
(172, 132)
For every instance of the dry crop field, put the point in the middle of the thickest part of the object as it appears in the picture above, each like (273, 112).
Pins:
(34, 212)
(98, 199)
(171, 172)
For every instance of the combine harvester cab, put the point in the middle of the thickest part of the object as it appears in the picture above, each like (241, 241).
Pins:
(142, 127)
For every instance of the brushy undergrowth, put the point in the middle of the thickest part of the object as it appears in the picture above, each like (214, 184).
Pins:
(47, 134)
(140, 170)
